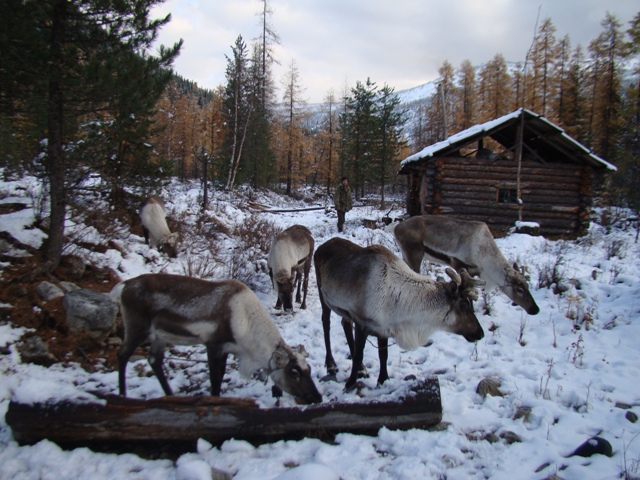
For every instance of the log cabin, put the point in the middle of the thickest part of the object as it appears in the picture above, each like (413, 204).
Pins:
(517, 168)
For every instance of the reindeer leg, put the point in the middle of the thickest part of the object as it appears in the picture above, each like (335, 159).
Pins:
(358, 356)
(329, 362)
(145, 232)
(298, 281)
(307, 268)
(131, 341)
(156, 357)
(383, 355)
(347, 326)
(217, 367)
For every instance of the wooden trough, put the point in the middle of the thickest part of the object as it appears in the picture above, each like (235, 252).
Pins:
(183, 420)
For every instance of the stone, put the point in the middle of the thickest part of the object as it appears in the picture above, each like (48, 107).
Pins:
(48, 291)
(593, 446)
(91, 312)
(33, 349)
(489, 386)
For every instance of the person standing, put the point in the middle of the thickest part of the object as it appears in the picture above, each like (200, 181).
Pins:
(343, 201)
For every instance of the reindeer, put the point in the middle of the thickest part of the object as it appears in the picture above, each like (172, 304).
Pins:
(154, 226)
(462, 244)
(289, 259)
(375, 291)
(225, 316)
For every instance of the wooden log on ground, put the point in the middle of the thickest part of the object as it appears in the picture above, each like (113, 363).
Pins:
(183, 420)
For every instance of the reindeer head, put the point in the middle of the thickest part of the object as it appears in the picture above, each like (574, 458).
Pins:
(290, 372)
(461, 318)
(284, 287)
(168, 245)
(517, 289)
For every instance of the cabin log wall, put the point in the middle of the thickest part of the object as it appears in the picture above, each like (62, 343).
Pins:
(556, 196)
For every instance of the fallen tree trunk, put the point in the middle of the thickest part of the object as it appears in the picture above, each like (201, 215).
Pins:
(215, 419)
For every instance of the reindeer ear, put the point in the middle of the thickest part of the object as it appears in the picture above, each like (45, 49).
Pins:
(280, 358)
(301, 350)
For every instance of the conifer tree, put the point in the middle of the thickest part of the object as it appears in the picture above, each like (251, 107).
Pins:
(606, 52)
(237, 108)
(466, 95)
(390, 125)
(79, 57)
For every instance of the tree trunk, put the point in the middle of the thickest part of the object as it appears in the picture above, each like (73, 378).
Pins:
(56, 158)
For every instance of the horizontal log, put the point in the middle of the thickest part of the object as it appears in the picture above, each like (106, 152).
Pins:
(552, 211)
(471, 181)
(186, 419)
(542, 197)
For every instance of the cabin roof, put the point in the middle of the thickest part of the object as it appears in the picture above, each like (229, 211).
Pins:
(545, 140)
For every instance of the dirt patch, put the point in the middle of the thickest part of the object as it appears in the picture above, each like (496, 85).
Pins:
(47, 319)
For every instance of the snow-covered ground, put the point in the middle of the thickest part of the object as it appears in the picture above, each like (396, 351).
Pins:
(569, 368)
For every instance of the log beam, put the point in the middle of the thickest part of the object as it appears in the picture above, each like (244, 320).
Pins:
(186, 419)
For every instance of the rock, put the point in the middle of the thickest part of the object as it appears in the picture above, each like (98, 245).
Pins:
(595, 445)
(522, 412)
(632, 417)
(510, 437)
(91, 312)
(68, 286)
(33, 349)
(48, 291)
(489, 386)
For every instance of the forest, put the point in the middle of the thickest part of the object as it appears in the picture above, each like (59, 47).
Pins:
(82, 95)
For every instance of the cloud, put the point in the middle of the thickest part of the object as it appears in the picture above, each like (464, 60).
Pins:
(401, 43)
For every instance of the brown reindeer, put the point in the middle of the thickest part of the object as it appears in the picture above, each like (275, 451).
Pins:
(462, 244)
(225, 316)
(380, 295)
(289, 263)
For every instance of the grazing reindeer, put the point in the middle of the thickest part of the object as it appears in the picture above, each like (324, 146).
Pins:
(378, 293)
(154, 226)
(225, 316)
(462, 244)
(290, 259)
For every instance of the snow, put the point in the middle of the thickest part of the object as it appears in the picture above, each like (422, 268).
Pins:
(570, 365)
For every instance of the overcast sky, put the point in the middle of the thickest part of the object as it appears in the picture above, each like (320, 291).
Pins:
(401, 43)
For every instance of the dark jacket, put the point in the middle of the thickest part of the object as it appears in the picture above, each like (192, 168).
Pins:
(343, 198)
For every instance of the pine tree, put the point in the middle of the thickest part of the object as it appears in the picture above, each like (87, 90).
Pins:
(390, 121)
(358, 127)
(237, 108)
(78, 58)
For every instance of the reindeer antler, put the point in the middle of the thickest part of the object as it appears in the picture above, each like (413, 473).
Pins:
(468, 285)
(453, 275)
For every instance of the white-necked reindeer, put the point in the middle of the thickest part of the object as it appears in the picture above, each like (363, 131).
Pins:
(462, 244)
(153, 215)
(289, 262)
(380, 295)
(225, 316)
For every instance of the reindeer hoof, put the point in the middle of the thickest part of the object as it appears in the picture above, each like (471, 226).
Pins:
(329, 377)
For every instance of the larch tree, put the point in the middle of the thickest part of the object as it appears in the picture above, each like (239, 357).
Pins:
(466, 94)
(606, 53)
(294, 104)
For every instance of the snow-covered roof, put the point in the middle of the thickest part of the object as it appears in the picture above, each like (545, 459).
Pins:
(540, 135)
